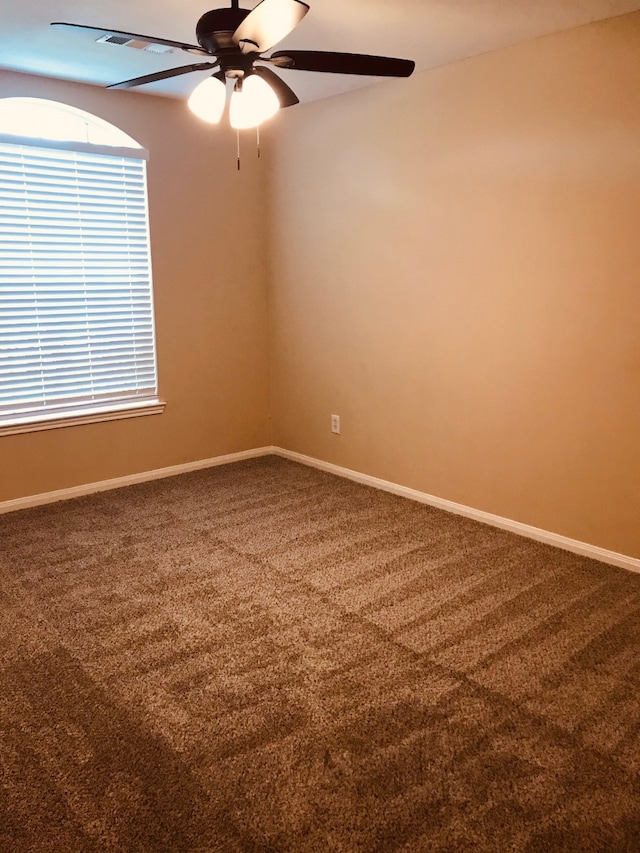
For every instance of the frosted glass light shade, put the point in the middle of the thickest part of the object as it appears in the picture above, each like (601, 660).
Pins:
(254, 104)
(207, 100)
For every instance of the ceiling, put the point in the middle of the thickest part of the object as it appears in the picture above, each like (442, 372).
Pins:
(431, 32)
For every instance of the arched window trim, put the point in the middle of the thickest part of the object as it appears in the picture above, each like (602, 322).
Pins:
(17, 113)
(63, 122)
(72, 145)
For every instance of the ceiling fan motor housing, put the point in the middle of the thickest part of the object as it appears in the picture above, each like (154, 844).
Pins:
(215, 29)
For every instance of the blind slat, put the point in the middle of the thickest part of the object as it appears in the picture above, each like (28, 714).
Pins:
(76, 311)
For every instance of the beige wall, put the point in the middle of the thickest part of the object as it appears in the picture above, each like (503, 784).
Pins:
(455, 270)
(208, 252)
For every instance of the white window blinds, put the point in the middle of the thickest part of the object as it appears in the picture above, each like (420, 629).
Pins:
(76, 310)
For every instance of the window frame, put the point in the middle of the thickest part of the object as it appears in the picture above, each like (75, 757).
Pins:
(118, 408)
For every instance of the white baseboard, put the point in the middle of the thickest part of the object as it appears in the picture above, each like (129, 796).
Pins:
(130, 480)
(577, 547)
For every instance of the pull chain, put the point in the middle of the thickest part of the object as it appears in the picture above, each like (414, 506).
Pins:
(257, 143)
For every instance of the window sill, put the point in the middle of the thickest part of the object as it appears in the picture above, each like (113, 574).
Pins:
(55, 421)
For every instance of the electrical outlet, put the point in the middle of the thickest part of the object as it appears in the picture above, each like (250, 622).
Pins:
(335, 424)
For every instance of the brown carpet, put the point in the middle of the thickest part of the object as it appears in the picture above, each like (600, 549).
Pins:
(266, 658)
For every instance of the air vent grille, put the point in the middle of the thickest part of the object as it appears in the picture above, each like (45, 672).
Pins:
(114, 39)
(158, 48)
(136, 44)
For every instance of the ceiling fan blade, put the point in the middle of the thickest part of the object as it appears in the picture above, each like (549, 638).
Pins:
(286, 96)
(269, 23)
(343, 63)
(163, 75)
(121, 37)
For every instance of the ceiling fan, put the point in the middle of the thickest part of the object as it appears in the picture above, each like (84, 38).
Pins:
(236, 39)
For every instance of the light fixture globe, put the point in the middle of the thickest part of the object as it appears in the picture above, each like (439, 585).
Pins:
(208, 99)
(254, 103)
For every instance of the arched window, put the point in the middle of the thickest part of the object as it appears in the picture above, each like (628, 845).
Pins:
(77, 339)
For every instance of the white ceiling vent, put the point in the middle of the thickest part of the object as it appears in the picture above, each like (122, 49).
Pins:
(136, 44)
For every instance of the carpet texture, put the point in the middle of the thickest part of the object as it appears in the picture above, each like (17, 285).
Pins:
(262, 658)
